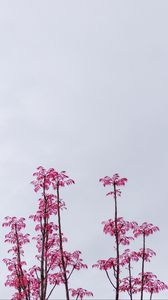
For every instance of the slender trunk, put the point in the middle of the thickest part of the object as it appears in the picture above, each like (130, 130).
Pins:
(151, 295)
(143, 267)
(42, 264)
(61, 246)
(43, 275)
(130, 280)
(22, 287)
(19, 287)
(45, 261)
(117, 246)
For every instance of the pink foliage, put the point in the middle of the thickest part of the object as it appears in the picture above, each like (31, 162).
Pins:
(146, 229)
(122, 228)
(106, 264)
(50, 178)
(146, 254)
(80, 293)
(135, 285)
(18, 278)
(152, 284)
(129, 256)
(114, 180)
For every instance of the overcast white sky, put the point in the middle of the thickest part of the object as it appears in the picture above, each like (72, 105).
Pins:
(83, 88)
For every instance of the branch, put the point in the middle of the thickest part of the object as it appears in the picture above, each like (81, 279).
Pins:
(71, 272)
(37, 275)
(51, 291)
(115, 275)
(110, 279)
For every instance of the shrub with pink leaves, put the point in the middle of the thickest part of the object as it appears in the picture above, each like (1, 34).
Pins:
(54, 265)
(124, 233)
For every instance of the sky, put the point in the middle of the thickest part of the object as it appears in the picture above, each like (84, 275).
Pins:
(83, 88)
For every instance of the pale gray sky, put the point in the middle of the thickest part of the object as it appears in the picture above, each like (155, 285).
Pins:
(83, 88)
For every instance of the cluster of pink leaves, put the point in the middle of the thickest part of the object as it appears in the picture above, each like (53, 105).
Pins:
(122, 228)
(50, 178)
(19, 278)
(34, 283)
(80, 293)
(125, 258)
(114, 180)
(151, 284)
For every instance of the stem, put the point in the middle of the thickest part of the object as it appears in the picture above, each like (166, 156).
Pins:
(61, 245)
(19, 287)
(130, 281)
(117, 245)
(71, 272)
(110, 279)
(51, 291)
(45, 261)
(151, 295)
(143, 267)
(43, 232)
(20, 266)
